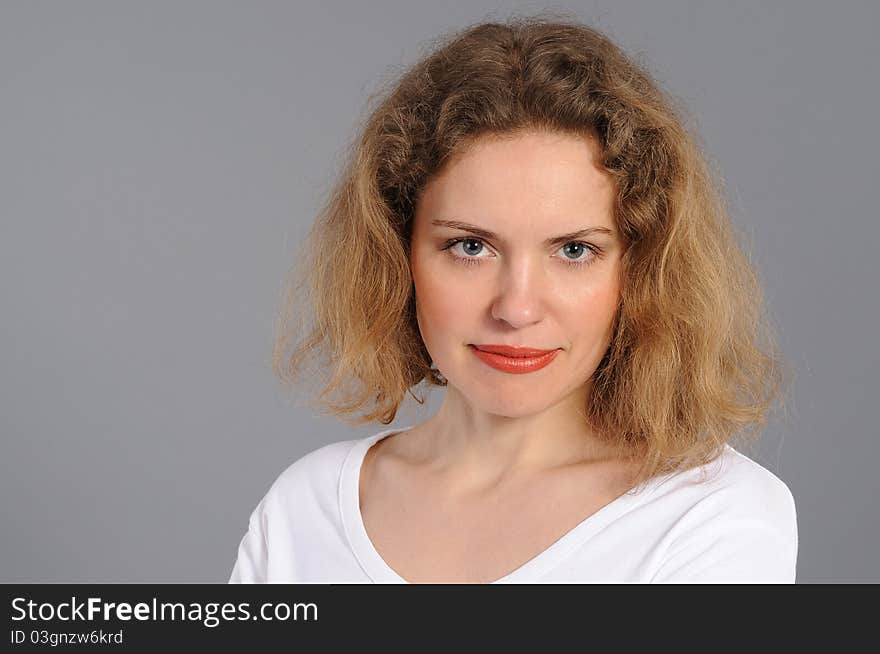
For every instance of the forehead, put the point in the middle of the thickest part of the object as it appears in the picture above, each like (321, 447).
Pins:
(533, 175)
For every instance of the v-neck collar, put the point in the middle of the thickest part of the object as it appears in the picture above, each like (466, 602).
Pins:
(530, 571)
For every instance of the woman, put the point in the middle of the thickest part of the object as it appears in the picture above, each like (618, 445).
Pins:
(526, 222)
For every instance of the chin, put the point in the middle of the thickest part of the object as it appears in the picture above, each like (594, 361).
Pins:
(497, 401)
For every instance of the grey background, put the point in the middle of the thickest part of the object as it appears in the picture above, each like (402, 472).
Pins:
(159, 161)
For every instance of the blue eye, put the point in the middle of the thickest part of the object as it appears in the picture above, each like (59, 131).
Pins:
(469, 245)
(582, 246)
(472, 246)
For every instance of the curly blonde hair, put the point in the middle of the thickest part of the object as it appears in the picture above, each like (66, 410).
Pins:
(692, 362)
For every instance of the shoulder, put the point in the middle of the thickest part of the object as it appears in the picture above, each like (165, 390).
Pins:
(744, 489)
(298, 520)
(733, 487)
(314, 475)
(732, 518)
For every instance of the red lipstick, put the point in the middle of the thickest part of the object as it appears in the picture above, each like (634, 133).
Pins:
(515, 360)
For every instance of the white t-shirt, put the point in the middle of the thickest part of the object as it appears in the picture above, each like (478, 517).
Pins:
(732, 521)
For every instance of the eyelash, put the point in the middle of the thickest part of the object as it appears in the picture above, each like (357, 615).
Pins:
(473, 261)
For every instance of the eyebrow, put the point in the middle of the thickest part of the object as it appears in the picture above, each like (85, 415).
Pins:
(485, 233)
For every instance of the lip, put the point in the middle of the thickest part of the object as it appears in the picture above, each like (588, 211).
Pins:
(516, 365)
(511, 351)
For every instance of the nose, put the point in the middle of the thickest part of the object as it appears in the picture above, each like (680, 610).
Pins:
(519, 300)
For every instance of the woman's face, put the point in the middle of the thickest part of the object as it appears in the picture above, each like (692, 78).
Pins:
(517, 276)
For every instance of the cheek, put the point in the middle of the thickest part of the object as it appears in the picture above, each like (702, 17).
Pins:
(592, 309)
(440, 304)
